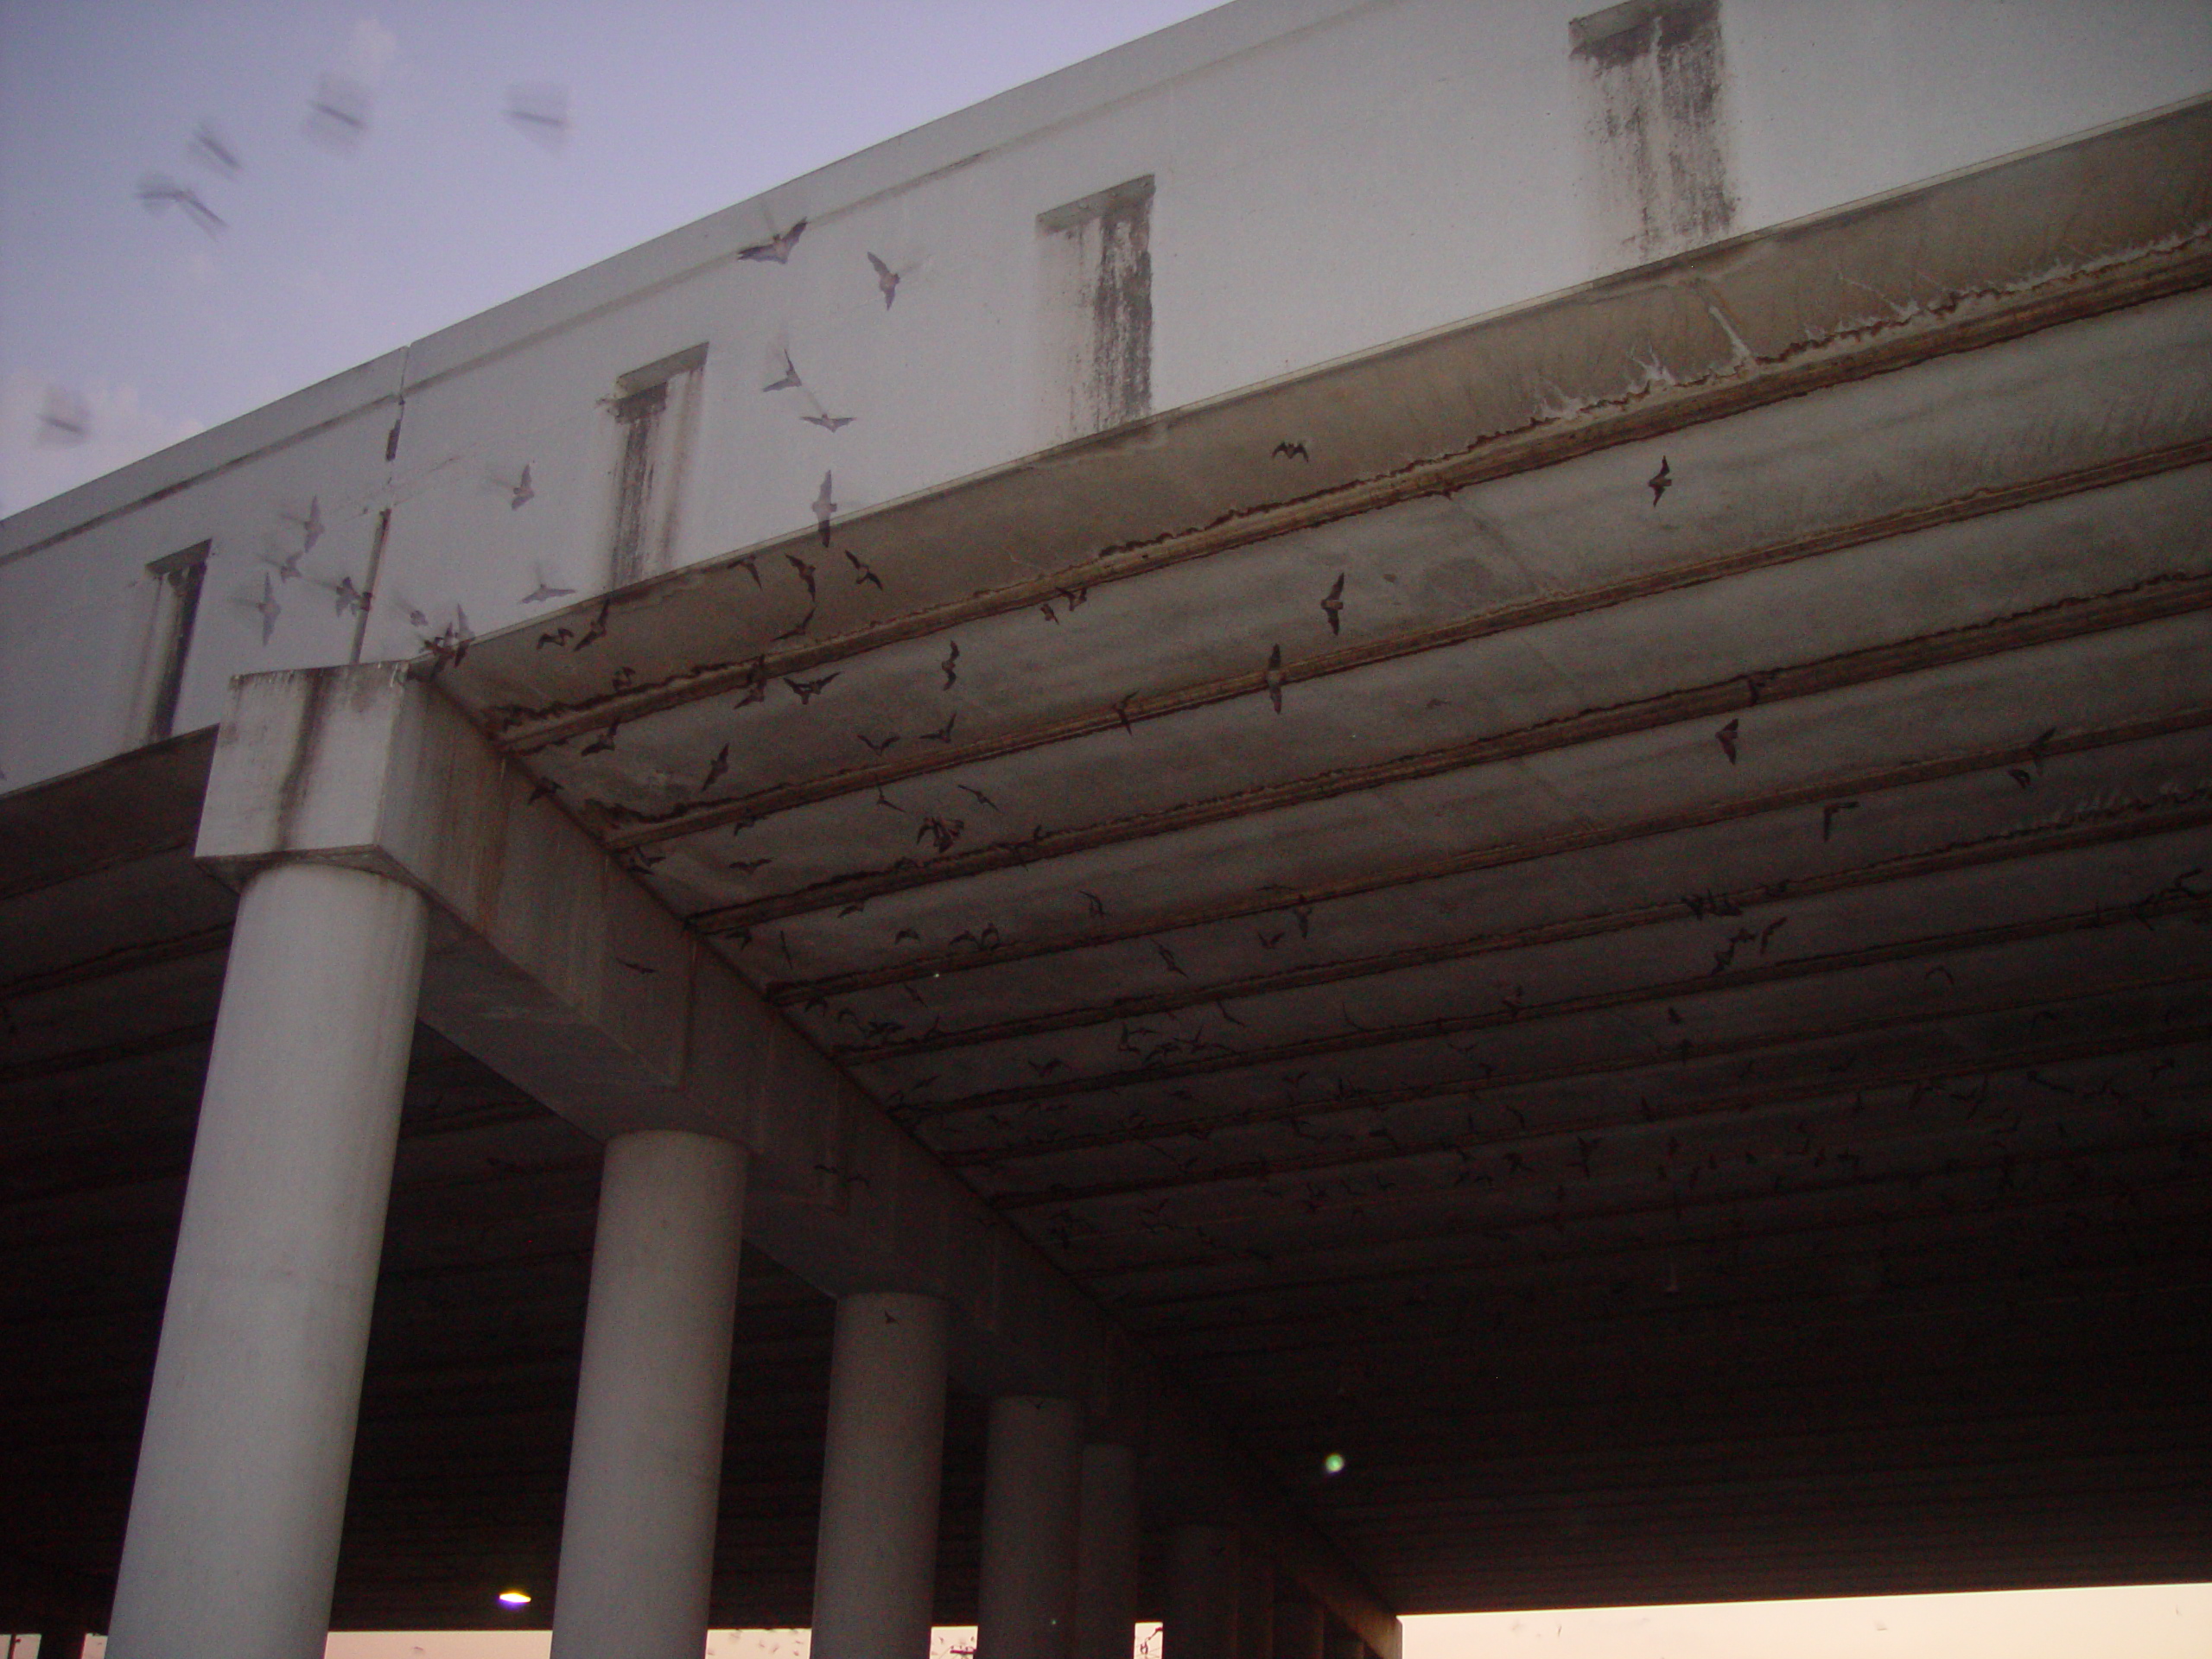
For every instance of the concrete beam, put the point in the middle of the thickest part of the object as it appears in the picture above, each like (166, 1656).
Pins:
(551, 964)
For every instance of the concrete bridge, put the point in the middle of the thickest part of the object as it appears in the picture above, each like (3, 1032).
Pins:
(1275, 946)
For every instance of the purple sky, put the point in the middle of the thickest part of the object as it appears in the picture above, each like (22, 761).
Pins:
(445, 208)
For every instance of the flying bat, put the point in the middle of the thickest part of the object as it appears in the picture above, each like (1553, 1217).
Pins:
(788, 380)
(1332, 605)
(824, 506)
(777, 250)
(886, 281)
(1658, 481)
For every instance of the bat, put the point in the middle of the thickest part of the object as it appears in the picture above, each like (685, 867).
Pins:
(65, 419)
(777, 250)
(807, 690)
(951, 657)
(788, 380)
(1726, 737)
(157, 190)
(1828, 815)
(604, 741)
(943, 734)
(1658, 481)
(805, 572)
(878, 745)
(862, 572)
(523, 491)
(823, 507)
(539, 111)
(715, 768)
(1333, 604)
(597, 630)
(209, 147)
(338, 115)
(886, 281)
(1274, 678)
(1289, 451)
(544, 591)
(827, 421)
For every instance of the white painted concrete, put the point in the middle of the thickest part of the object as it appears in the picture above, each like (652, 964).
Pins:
(1032, 1476)
(1204, 1582)
(233, 1540)
(1331, 175)
(876, 1565)
(645, 1471)
(1106, 1560)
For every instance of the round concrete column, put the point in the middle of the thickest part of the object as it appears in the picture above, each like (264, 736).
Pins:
(1301, 1628)
(1106, 1555)
(1025, 1609)
(876, 1563)
(1256, 1606)
(233, 1538)
(645, 1471)
(1203, 1589)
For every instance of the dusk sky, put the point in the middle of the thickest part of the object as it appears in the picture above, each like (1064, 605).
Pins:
(502, 144)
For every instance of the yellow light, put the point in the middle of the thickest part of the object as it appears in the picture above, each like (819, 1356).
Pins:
(514, 1597)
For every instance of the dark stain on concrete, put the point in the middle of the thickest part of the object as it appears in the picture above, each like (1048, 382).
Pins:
(299, 767)
(1658, 76)
(650, 475)
(639, 415)
(180, 576)
(1111, 237)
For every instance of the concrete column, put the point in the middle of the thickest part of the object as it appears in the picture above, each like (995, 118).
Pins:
(232, 1539)
(62, 1644)
(1025, 1609)
(1342, 1644)
(1301, 1630)
(875, 1562)
(1255, 1603)
(1106, 1555)
(645, 1471)
(1203, 1590)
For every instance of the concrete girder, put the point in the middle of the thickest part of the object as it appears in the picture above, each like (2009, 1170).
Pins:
(549, 962)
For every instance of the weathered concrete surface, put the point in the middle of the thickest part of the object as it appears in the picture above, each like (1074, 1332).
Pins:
(240, 1491)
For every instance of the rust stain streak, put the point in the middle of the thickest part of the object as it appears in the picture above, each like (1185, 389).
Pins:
(763, 803)
(1635, 418)
(123, 959)
(1876, 782)
(1772, 973)
(1471, 1086)
(1446, 1270)
(1888, 873)
(2155, 599)
(1741, 1106)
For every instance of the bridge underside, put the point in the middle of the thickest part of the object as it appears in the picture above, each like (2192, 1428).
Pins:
(1603, 916)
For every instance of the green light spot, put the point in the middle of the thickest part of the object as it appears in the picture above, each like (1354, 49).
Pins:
(1333, 1464)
